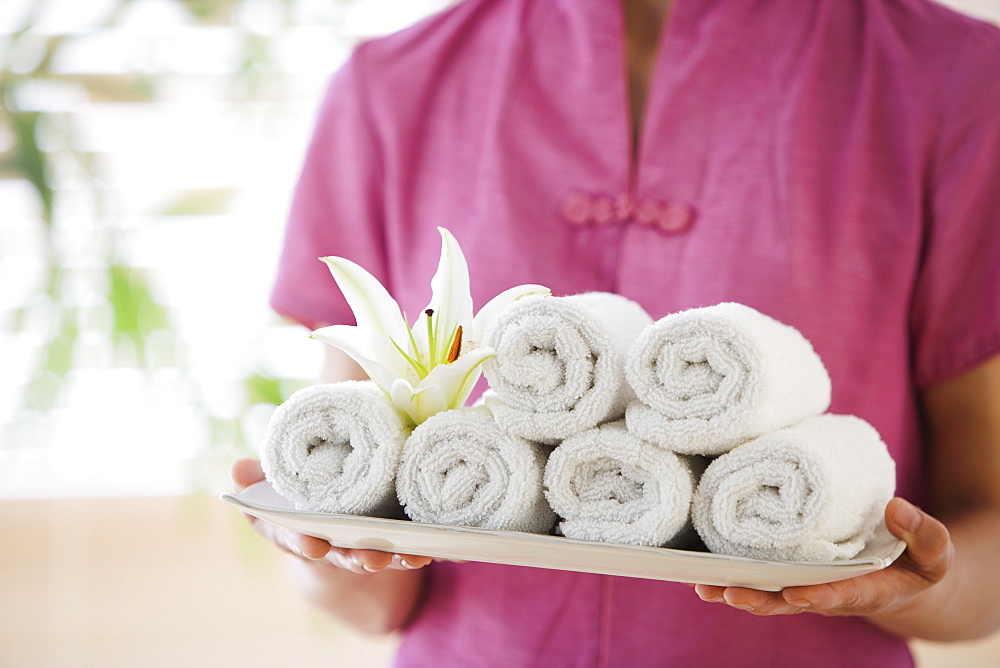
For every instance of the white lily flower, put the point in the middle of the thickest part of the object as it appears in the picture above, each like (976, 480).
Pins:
(434, 365)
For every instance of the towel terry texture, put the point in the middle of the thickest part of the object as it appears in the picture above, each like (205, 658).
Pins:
(608, 485)
(459, 468)
(812, 492)
(336, 448)
(708, 379)
(559, 367)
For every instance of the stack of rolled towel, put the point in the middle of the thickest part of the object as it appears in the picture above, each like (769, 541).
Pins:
(603, 425)
(787, 481)
(709, 379)
(335, 448)
(558, 367)
(559, 378)
(608, 485)
(814, 491)
(460, 468)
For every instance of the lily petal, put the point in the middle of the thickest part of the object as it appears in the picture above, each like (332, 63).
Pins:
(401, 394)
(412, 366)
(460, 376)
(495, 306)
(429, 400)
(451, 299)
(374, 353)
(420, 403)
(373, 306)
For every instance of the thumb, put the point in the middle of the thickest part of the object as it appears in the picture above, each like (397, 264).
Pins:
(245, 472)
(929, 550)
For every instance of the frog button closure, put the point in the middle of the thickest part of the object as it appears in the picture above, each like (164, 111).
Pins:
(602, 210)
(647, 212)
(576, 209)
(673, 217)
(580, 209)
(624, 208)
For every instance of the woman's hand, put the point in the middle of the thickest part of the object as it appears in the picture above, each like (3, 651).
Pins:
(946, 586)
(246, 472)
(928, 557)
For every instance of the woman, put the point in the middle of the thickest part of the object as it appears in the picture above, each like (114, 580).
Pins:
(831, 163)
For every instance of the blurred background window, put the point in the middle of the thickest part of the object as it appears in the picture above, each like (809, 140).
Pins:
(147, 153)
(148, 149)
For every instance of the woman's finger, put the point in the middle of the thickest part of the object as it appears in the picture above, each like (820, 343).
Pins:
(929, 553)
(927, 558)
(929, 550)
(245, 472)
(751, 600)
(307, 547)
(412, 561)
(373, 561)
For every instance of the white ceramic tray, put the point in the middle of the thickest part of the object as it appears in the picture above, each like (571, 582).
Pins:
(523, 549)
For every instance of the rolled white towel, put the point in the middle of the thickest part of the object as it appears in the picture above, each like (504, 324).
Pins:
(559, 367)
(812, 492)
(335, 448)
(610, 486)
(459, 468)
(708, 379)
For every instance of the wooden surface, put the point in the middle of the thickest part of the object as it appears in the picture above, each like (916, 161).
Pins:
(182, 582)
(155, 582)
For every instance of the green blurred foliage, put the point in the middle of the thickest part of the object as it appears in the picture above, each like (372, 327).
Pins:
(211, 12)
(54, 365)
(137, 313)
(41, 142)
(263, 390)
(27, 159)
(199, 202)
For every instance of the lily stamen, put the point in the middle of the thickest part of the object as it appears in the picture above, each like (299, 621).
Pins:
(456, 346)
(431, 347)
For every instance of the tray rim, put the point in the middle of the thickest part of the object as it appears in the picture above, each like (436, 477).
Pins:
(560, 553)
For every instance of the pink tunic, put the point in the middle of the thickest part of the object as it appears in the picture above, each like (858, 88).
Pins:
(832, 163)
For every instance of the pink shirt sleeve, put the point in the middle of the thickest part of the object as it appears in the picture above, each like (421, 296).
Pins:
(956, 301)
(336, 209)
